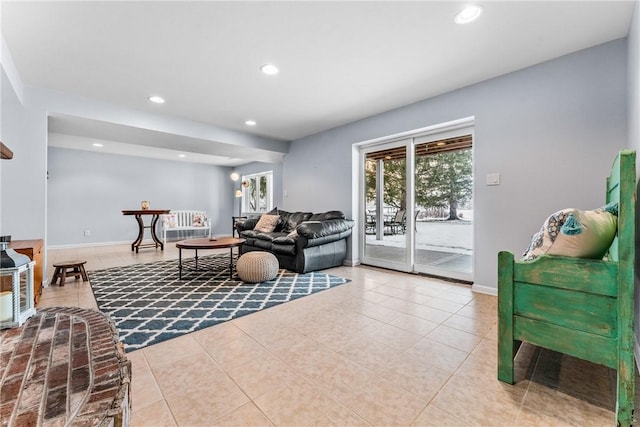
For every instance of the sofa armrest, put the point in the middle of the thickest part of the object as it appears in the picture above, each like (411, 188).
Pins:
(316, 233)
(247, 224)
(317, 229)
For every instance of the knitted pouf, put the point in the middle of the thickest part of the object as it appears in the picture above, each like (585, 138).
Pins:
(257, 266)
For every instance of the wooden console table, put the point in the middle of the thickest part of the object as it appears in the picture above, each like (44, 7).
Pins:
(138, 213)
(32, 249)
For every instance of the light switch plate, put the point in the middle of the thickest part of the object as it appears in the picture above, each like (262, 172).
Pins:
(493, 179)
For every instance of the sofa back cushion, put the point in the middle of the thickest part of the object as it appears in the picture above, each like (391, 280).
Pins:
(326, 216)
(290, 220)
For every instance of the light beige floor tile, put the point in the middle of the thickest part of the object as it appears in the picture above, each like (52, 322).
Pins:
(305, 405)
(370, 354)
(455, 338)
(576, 377)
(467, 324)
(414, 324)
(429, 313)
(168, 352)
(197, 373)
(144, 388)
(233, 352)
(535, 418)
(565, 408)
(259, 376)
(439, 355)
(415, 375)
(203, 407)
(155, 415)
(442, 304)
(393, 336)
(246, 415)
(384, 403)
(479, 404)
(436, 417)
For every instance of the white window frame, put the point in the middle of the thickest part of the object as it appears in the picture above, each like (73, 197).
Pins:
(246, 205)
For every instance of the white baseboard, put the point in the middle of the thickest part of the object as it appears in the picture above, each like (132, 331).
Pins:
(489, 290)
(351, 263)
(88, 245)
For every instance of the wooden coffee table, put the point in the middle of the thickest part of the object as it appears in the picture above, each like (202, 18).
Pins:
(217, 243)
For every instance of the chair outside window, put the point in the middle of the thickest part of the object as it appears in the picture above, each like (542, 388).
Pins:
(398, 225)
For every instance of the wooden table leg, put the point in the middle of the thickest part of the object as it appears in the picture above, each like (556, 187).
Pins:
(154, 221)
(136, 243)
(179, 263)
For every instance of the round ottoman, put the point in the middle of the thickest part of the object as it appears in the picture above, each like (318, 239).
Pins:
(257, 266)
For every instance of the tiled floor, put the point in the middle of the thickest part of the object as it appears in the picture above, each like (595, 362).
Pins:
(386, 349)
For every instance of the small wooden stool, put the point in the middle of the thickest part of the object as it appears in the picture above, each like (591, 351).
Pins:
(67, 269)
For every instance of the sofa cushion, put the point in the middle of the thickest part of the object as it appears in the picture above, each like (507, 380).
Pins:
(262, 244)
(283, 249)
(270, 237)
(295, 219)
(267, 223)
(284, 240)
(326, 216)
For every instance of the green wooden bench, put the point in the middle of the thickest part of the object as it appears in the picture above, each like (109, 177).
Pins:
(580, 307)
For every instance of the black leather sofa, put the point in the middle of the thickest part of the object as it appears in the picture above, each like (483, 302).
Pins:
(302, 241)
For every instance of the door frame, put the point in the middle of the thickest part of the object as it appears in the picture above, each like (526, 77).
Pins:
(439, 131)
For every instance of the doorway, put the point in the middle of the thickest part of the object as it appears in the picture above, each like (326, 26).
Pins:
(417, 203)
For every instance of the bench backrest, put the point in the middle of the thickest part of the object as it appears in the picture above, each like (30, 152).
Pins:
(621, 189)
(186, 218)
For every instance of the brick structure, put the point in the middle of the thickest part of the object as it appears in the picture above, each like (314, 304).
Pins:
(64, 366)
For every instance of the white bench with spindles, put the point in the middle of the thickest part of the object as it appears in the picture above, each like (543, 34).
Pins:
(185, 221)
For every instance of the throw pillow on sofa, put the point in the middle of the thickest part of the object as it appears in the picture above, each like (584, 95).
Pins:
(267, 223)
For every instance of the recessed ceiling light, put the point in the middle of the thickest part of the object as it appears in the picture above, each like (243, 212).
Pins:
(156, 99)
(269, 69)
(250, 122)
(468, 14)
(182, 155)
(97, 144)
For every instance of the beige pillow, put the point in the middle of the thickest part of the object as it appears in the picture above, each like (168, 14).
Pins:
(267, 223)
(575, 233)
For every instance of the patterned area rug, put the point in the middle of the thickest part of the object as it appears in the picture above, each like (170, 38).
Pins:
(150, 305)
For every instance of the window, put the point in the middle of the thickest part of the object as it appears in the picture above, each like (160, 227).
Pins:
(257, 192)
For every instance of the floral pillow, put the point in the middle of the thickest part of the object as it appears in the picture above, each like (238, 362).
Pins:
(575, 233)
(169, 220)
(198, 221)
(267, 223)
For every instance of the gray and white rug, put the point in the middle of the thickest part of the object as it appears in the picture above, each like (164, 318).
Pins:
(150, 305)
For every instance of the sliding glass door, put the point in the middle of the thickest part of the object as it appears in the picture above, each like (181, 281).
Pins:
(444, 206)
(385, 206)
(417, 204)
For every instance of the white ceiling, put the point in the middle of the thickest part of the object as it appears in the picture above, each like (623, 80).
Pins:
(340, 61)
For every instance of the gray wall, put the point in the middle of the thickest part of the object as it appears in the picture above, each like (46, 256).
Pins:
(633, 93)
(550, 130)
(22, 179)
(87, 191)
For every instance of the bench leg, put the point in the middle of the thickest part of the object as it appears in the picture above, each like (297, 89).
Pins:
(56, 276)
(83, 273)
